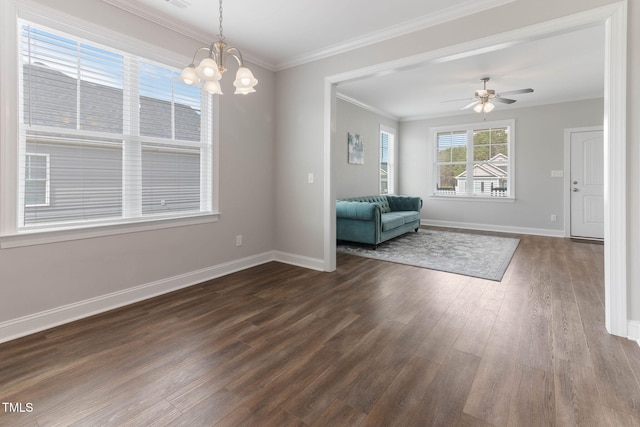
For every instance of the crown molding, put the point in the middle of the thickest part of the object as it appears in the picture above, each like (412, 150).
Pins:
(449, 14)
(367, 107)
(160, 19)
(452, 13)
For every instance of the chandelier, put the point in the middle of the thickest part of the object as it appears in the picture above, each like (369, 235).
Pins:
(209, 72)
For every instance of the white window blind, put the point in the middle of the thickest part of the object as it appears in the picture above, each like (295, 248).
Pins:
(124, 139)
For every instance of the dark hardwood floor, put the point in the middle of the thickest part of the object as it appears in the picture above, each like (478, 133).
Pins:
(372, 344)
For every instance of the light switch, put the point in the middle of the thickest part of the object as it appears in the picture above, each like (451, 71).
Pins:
(557, 174)
(310, 178)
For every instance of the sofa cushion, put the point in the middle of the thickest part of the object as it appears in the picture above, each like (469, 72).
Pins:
(409, 216)
(378, 200)
(391, 221)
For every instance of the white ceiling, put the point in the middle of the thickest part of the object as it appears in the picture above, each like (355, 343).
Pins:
(278, 34)
(559, 68)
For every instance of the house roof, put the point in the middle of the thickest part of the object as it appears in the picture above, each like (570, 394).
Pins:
(493, 168)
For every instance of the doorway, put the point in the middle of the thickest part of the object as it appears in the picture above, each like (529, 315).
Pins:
(615, 217)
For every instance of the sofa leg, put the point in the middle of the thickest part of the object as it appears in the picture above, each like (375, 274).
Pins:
(374, 247)
(416, 230)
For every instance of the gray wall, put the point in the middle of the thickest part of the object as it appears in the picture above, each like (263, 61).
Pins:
(358, 180)
(539, 149)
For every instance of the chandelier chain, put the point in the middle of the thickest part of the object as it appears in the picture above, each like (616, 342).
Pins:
(220, 35)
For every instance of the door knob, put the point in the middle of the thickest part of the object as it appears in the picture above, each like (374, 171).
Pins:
(574, 189)
(575, 182)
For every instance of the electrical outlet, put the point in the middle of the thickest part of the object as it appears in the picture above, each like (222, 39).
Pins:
(239, 240)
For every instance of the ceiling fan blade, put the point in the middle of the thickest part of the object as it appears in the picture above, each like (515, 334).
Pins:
(470, 105)
(504, 100)
(456, 100)
(514, 92)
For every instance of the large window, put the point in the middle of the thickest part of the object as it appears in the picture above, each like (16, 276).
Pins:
(474, 160)
(387, 164)
(106, 136)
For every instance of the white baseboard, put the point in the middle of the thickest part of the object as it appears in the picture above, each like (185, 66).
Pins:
(16, 328)
(633, 330)
(496, 228)
(298, 260)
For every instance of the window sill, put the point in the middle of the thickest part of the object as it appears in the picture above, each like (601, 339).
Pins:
(473, 198)
(39, 237)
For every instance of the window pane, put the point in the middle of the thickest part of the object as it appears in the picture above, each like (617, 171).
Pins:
(101, 94)
(168, 109)
(49, 75)
(451, 178)
(384, 163)
(85, 180)
(170, 179)
(452, 146)
(187, 105)
(489, 180)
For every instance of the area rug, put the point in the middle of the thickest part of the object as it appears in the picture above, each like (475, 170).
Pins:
(474, 255)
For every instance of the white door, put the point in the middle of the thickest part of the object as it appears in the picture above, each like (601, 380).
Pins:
(587, 184)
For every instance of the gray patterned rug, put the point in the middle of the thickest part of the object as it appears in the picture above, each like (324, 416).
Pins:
(474, 255)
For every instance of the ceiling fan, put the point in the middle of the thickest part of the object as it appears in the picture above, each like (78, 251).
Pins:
(483, 98)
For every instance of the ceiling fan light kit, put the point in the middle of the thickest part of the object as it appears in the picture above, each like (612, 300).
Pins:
(482, 100)
(209, 71)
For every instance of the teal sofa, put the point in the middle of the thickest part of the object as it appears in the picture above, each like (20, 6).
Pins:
(375, 219)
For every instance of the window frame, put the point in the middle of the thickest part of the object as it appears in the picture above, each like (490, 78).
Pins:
(10, 233)
(46, 180)
(469, 128)
(391, 167)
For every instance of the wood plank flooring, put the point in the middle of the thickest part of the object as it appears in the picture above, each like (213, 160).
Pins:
(372, 344)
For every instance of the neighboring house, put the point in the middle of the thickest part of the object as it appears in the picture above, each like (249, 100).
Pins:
(488, 178)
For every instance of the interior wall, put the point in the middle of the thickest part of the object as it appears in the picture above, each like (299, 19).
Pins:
(539, 149)
(41, 278)
(354, 180)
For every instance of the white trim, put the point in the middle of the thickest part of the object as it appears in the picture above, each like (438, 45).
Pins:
(440, 17)
(567, 173)
(615, 133)
(90, 232)
(299, 260)
(497, 228)
(329, 191)
(367, 107)
(615, 172)
(449, 14)
(8, 118)
(472, 198)
(26, 325)
(634, 331)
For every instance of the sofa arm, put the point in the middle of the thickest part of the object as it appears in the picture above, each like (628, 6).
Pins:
(404, 203)
(357, 210)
